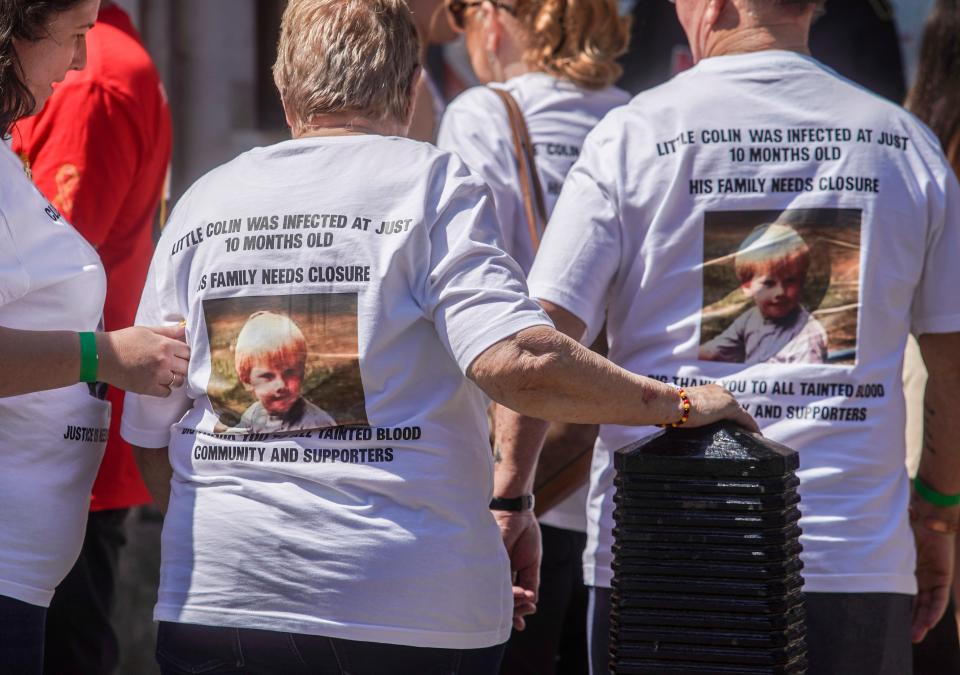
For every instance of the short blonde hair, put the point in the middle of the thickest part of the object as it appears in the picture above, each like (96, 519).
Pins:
(347, 56)
(772, 249)
(577, 40)
(272, 338)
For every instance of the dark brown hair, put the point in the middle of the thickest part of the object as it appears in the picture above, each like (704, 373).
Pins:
(935, 96)
(578, 40)
(24, 20)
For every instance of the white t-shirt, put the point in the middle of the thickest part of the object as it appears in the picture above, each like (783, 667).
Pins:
(651, 227)
(51, 441)
(559, 115)
(373, 261)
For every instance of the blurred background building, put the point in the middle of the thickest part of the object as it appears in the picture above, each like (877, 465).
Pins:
(214, 57)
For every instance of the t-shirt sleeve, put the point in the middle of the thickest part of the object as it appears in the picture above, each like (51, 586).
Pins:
(474, 127)
(147, 419)
(936, 303)
(474, 292)
(14, 280)
(581, 249)
(87, 170)
(471, 128)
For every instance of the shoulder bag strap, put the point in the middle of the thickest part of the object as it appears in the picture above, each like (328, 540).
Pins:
(533, 203)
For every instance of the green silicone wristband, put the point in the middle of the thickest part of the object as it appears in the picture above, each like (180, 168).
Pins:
(932, 496)
(89, 360)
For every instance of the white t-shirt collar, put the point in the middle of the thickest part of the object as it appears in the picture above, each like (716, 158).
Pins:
(768, 58)
(311, 141)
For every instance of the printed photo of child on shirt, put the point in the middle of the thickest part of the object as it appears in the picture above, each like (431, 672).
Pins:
(771, 266)
(271, 358)
(283, 363)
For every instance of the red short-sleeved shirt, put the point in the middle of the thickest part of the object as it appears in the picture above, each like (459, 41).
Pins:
(100, 152)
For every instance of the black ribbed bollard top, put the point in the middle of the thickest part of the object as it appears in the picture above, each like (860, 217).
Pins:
(706, 555)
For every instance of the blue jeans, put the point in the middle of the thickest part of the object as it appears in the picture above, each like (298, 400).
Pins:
(21, 637)
(188, 649)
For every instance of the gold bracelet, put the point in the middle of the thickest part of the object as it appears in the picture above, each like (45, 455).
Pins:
(685, 415)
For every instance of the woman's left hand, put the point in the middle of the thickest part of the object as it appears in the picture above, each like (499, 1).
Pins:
(144, 360)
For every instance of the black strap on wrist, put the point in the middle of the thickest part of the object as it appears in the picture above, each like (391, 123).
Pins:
(524, 503)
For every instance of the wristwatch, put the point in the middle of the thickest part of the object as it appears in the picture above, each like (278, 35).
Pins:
(524, 503)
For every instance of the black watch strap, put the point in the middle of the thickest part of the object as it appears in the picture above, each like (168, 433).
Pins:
(524, 503)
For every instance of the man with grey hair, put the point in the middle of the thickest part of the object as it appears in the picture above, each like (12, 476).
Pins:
(644, 237)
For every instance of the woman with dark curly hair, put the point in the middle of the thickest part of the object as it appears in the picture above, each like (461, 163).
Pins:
(53, 421)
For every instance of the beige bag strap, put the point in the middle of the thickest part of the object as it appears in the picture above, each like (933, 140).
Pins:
(533, 203)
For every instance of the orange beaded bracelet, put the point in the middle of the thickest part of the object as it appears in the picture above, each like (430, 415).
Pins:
(685, 415)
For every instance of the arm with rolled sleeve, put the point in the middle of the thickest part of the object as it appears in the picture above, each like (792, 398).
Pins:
(584, 228)
(473, 291)
(519, 438)
(477, 297)
(571, 276)
(503, 341)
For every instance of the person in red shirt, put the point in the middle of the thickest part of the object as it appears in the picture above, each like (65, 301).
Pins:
(100, 152)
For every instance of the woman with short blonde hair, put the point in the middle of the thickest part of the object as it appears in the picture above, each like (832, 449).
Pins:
(366, 546)
(318, 72)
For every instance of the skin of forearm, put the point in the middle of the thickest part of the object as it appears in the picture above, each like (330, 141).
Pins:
(154, 465)
(38, 360)
(542, 373)
(940, 459)
(516, 449)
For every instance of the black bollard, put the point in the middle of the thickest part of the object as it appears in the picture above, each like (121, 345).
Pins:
(707, 556)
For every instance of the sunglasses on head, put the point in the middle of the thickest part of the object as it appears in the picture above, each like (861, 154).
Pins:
(457, 9)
